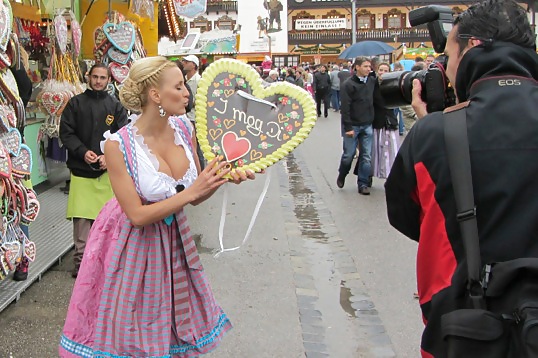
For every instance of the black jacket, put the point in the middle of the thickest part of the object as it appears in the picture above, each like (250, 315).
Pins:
(85, 119)
(502, 123)
(322, 82)
(358, 101)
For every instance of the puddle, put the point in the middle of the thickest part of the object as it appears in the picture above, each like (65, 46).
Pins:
(198, 241)
(345, 299)
(304, 209)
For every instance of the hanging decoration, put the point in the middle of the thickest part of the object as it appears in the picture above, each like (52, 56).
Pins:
(143, 8)
(171, 19)
(118, 43)
(63, 80)
(18, 205)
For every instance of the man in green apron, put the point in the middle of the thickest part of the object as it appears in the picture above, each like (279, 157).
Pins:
(84, 121)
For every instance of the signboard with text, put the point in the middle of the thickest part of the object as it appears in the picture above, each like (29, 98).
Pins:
(320, 24)
(305, 4)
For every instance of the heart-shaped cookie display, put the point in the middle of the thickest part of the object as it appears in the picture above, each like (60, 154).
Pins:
(121, 36)
(119, 72)
(60, 30)
(12, 252)
(252, 126)
(118, 56)
(6, 21)
(22, 163)
(54, 102)
(32, 211)
(12, 141)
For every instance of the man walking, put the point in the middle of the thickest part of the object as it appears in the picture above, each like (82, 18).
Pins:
(322, 87)
(85, 120)
(335, 88)
(357, 114)
(190, 70)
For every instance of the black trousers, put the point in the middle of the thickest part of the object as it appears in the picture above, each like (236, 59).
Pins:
(322, 96)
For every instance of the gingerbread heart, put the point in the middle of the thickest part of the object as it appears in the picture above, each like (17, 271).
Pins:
(6, 22)
(12, 141)
(119, 72)
(12, 251)
(54, 102)
(32, 211)
(252, 126)
(22, 163)
(118, 56)
(121, 36)
(30, 250)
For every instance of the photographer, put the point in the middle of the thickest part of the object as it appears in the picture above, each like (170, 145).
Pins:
(489, 40)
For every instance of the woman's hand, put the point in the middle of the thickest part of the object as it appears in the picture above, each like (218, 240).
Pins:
(239, 176)
(210, 179)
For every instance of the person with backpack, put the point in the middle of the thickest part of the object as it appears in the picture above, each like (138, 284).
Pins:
(493, 68)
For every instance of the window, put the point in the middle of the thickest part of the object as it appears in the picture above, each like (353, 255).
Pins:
(201, 23)
(288, 61)
(395, 22)
(225, 23)
(394, 19)
(363, 22)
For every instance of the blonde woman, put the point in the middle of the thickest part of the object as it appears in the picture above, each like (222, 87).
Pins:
(141, 289)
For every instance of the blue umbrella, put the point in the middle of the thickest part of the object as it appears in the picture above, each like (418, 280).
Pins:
(366, 48)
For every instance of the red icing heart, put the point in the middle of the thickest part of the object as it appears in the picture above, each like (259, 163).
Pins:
(233, 147)
(119, 72)
(22, 163)
(54, 102)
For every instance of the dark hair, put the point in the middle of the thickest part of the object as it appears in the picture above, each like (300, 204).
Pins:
(419, 59)
(383, 64)
(360, 60)
(99, 65)
(497, 20)
(419, 66)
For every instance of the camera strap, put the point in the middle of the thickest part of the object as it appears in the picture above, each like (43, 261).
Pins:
(459, 162)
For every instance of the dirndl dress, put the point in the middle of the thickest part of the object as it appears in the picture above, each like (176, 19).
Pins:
(385, 147)
(142, 291)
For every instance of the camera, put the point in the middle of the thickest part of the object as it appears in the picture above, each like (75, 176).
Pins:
(396, 87)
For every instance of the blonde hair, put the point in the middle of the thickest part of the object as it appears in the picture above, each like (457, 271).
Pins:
(143, 75)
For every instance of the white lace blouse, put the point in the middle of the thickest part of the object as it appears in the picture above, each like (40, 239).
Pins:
(155, 185)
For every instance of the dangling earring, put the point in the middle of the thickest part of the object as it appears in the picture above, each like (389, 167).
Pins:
(162, 112)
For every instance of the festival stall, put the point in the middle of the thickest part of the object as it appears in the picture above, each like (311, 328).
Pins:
(19, 204)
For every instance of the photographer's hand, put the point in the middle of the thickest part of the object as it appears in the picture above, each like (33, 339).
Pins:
(417, 103)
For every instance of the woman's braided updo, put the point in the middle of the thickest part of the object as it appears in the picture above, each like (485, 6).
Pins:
(144, 74)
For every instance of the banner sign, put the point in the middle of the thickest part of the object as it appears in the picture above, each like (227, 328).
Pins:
(321, 24)
(190, 8)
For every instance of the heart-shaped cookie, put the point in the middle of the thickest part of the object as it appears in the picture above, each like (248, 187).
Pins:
(118, 56)
(30, 250)
(32, 211)
(6, 21)
(12, 251)
(54, 102)
(22, 163)
(12, 141)
(119, 72)
(121, 36)
(252, 126)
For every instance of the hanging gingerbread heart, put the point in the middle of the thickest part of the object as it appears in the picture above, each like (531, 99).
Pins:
(30, 250)
(54, 102)
(12, 142)
(118, 56)
(60, 29)
(121, 36)
(22, 164)
(6, 21)
(4, 121)
(119, 72)
(12, 252)
(251, 126)
(76, 34)
(32, 211)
